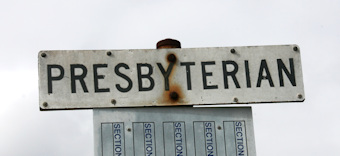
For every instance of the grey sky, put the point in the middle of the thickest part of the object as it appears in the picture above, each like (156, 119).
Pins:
(309, 128)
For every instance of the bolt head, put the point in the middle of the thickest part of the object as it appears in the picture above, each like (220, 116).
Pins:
(174, 96)
(172, 58)
(295, 48)
(108, 53)
(233, 51)
(45, 104)
(43, 54)
(113, 101)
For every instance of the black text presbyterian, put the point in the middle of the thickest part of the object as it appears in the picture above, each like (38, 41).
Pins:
(263, 75)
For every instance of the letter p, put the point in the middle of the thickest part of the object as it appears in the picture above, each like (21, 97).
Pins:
(51, 78)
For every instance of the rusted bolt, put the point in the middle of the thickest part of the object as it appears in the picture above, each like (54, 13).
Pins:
(219, 127)
(45, 104)
(129, 129)
(295, 48)
(43, 54)
(235, 99)
(113, 101)
(108, 53)
(300, 96)
(233, 51)
(174, 96)
(172, 58)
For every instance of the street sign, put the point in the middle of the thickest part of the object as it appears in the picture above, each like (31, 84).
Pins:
(175, 131)
(77, 79)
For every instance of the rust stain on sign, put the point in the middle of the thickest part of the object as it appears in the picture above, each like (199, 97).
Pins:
(173, 94)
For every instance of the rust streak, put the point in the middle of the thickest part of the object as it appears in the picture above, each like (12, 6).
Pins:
(174, 96)
(168, 96)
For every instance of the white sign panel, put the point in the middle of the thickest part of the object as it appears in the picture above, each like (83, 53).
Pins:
(164, 77)
(174, 131)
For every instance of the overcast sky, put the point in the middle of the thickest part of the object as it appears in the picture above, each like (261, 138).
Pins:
(308, 128)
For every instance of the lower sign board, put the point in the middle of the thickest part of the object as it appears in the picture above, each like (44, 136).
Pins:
(174, 131)
(78, 79)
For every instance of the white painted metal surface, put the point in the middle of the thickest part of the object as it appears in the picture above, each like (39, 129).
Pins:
(78, 79)
(172, 131)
